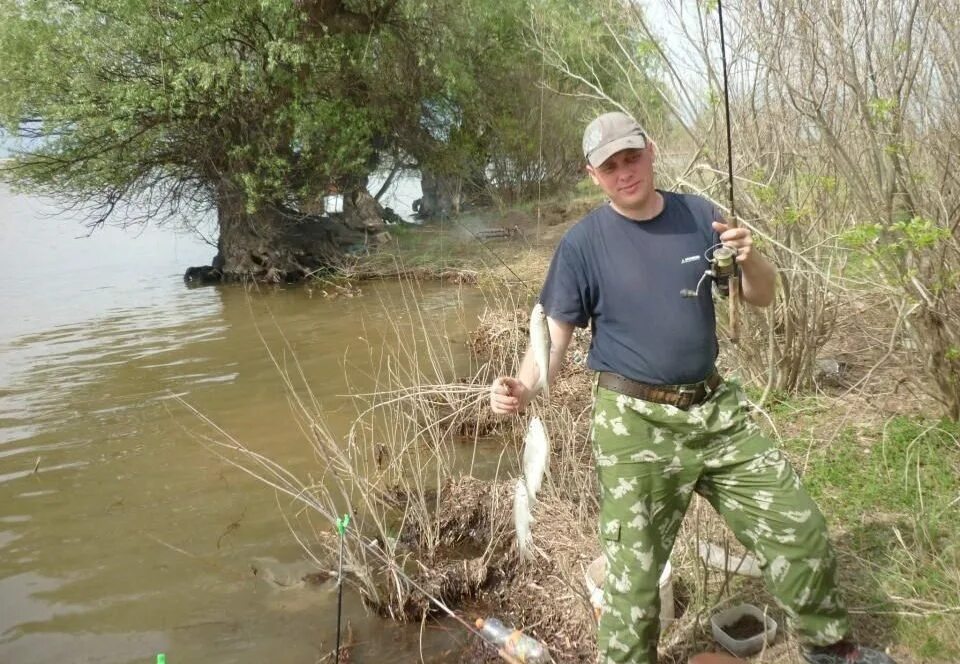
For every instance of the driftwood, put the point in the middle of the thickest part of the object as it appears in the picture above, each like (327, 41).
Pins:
(498, 233)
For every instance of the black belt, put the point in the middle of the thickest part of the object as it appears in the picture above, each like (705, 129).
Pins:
(681, 396)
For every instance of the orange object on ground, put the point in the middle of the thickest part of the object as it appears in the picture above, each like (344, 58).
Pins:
(715, 658)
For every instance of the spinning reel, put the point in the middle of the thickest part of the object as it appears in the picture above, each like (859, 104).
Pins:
(723, 270)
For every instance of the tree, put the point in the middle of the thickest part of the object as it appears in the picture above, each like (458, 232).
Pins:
(255, 110)
(496, 129)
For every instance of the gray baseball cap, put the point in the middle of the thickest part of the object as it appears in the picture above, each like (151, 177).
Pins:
(609, 134)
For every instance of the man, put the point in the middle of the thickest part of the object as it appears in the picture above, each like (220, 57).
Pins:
(665, 424)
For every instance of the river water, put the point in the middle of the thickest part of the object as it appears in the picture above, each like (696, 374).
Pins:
(121, 535)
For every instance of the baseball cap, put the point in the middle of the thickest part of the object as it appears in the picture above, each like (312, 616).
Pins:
(609, 134)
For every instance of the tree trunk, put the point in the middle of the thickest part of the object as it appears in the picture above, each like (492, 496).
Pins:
(441, 195)
(276, 244)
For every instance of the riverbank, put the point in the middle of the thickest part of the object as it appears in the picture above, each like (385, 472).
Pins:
(510, 247)
(867, 441)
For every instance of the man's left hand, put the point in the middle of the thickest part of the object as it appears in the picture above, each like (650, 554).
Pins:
(739, 237)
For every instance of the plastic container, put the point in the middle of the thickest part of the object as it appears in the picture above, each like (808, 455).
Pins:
(595, 574)
(741, 647)
(513, 642)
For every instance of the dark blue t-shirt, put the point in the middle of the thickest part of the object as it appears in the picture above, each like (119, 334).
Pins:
(625, 277)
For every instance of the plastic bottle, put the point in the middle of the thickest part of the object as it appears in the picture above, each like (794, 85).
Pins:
(513, 642)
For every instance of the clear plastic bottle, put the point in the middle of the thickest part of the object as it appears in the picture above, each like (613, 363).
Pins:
(513, 642)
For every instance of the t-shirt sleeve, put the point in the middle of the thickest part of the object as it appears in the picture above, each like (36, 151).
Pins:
(566, 291)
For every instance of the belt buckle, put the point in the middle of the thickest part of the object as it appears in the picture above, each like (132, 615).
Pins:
(686, 396)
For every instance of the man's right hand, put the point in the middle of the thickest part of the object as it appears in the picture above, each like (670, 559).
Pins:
(508, 396)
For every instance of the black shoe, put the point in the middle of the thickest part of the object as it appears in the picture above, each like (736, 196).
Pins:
(845, 652)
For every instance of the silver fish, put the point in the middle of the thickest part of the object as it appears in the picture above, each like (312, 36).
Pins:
(522, 518)
(540, 343)
(536, 456)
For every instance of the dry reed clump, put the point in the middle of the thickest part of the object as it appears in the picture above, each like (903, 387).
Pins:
(546, 596)
(499, 333)
(495, 342)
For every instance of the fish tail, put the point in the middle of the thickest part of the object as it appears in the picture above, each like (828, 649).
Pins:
(546, 390)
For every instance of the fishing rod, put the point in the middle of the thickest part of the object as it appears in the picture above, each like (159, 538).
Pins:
(342, 524)
(733, 279)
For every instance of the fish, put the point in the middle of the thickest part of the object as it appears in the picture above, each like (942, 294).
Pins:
(522, 518)
(536, 456)
(540, 346)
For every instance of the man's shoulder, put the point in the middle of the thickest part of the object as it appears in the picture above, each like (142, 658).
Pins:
(699, 207)
(588, 225)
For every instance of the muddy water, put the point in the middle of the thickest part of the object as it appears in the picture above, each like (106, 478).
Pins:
(121, 536)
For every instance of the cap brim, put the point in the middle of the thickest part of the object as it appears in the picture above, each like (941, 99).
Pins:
(601, 154)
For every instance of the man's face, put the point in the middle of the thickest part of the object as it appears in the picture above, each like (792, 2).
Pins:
(626, 177)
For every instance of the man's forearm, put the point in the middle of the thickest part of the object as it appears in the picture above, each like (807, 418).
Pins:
(758, 280)
(529, 372)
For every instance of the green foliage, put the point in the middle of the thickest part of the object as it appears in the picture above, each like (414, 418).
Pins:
(861, 236)
(186, 98)
(602, 54)
(259, 102)
(919, 233)
(886, 245)
(892, 492)
(880, 109)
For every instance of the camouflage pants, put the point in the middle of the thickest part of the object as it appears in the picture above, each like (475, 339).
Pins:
(650, 460)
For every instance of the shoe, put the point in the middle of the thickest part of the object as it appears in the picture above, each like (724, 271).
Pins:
(845, 652)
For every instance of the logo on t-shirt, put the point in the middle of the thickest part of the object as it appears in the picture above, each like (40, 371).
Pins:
(690, 259)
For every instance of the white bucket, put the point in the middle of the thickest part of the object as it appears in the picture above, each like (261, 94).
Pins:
(595, 574)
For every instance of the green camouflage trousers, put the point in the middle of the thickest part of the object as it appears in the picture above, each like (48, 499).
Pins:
(650, 459)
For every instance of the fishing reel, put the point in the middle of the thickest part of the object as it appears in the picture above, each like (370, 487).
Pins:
(723, 270)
